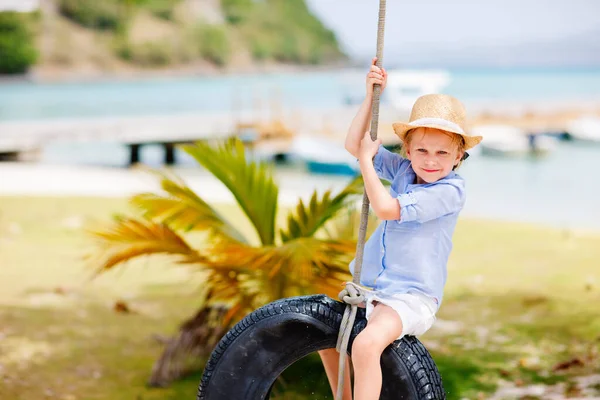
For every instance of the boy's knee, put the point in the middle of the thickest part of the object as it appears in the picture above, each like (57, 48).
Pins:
(366, 344)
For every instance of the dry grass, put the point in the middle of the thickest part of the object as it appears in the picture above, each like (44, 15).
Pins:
(519, 301)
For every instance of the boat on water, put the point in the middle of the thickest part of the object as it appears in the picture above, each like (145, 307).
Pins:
(324, 156)
(404, 86)
(585, 129)
(508, 140)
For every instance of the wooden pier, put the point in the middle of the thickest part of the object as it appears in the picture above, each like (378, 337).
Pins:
(273, 135)
(23, 140)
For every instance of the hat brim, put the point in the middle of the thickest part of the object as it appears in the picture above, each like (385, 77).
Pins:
(401, 129)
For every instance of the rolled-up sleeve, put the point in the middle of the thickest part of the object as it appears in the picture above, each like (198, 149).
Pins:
(387, 163)
(430, 202)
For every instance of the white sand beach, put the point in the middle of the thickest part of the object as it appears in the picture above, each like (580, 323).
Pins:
(32, 179)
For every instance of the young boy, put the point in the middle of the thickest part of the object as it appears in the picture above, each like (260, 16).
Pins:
(405, 258)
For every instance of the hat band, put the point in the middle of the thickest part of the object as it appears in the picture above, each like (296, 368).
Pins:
(437, 121)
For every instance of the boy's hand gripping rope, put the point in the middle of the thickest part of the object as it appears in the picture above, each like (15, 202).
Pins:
(352, 295)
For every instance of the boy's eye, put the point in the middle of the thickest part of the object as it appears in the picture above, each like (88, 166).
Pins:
(421, 150)
(442, 152)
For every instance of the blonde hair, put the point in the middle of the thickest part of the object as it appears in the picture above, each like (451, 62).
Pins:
(457, 140)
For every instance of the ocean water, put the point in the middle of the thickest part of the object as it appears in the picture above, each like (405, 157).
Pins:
(27, 101)
(526, 85)
(560, 189)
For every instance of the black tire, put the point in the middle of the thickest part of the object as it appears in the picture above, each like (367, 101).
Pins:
(249, 358)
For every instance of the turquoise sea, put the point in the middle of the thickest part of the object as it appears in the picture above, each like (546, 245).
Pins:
(26, 100)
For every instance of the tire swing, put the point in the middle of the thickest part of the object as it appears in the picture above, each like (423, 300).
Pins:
(254, 353)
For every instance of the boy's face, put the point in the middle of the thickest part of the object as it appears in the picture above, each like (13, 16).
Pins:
(432, 153)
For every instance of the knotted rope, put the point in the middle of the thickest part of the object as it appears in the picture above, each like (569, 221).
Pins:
(352, 295)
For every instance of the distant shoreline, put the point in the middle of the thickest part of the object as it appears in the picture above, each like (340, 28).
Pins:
(53, 74)
(50, 75)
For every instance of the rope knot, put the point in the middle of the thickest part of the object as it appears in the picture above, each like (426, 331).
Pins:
(352, 294)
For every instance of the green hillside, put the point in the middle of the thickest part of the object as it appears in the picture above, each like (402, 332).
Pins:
(130, 34)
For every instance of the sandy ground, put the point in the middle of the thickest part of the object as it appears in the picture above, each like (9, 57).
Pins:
(61, 180)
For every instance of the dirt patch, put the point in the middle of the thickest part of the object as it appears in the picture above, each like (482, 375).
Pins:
(582, 387)
(20, 351)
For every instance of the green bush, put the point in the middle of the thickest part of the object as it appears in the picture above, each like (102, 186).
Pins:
(288, 48)
(260, 48)
(147, 54)
(315, 55)
(17, 48)
(236, 11)
(213, 43)
(160, 8)
(98, 14)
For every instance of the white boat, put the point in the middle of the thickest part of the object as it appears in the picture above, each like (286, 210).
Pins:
(586, 129)
(403, 87)
(507, 140)
(324, 156)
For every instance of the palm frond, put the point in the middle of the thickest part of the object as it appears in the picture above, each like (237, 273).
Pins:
(129, 238)
(237, 288)
(253, 276)
(308, 219)
(302, 266)
(251, 183)
(182, 209)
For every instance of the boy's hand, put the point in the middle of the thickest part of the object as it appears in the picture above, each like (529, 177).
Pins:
(368, 147)
(376, 75)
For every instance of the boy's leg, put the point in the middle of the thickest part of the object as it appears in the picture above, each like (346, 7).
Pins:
(331, 359)
(383, 328)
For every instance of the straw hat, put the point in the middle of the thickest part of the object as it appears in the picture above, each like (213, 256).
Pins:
(438, 111)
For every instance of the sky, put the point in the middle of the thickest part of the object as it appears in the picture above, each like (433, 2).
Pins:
(495, 32)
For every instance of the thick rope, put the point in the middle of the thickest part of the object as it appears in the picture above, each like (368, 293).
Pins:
(352, 295)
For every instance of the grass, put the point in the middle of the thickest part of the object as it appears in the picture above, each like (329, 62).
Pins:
(520, 300)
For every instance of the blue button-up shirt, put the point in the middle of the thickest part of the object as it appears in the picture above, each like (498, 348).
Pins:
(410, 254)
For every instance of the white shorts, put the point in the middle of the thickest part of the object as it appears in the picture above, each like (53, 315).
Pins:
(416, 311)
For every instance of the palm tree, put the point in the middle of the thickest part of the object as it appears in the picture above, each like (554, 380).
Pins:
(310, 254)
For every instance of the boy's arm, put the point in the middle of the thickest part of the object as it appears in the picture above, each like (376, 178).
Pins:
(360, 124)
(384, 205)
